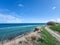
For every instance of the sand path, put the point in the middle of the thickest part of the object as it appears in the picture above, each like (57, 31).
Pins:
(54, 34)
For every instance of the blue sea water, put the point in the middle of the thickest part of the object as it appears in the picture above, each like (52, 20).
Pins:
(9, 31)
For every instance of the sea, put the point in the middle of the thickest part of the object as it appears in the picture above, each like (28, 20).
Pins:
(11, 30)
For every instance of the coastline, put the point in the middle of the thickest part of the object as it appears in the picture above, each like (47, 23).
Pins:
(24, 38)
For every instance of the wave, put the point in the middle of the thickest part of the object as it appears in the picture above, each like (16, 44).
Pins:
(18, 26)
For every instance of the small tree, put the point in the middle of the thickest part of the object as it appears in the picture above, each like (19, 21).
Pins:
(51, 23)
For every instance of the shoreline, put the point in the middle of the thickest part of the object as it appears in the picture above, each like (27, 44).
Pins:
(7, 40)
(6, 35)
(20, 38)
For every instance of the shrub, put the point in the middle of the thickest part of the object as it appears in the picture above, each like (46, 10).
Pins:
(36, 29)
(51, 23)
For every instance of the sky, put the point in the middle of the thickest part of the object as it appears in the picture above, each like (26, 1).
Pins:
(29, 11)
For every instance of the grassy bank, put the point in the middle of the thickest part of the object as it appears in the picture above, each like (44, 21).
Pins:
(55, 28)
(47, 39)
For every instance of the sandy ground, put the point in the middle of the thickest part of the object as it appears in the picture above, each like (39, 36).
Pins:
(25, 40)
(54, 34)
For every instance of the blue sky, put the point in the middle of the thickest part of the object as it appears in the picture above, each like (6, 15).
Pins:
(29, 11)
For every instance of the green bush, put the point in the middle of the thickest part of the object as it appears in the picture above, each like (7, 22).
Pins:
(51, 23)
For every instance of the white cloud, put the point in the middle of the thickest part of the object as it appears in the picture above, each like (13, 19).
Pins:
(20, 5)
(58, 20)
(54, 7)
(55, 20)
(9, 19)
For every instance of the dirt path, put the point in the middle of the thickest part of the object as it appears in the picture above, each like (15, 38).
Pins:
(57, 36)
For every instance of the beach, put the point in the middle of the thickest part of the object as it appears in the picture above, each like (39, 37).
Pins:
(28, 39)
(10, 31)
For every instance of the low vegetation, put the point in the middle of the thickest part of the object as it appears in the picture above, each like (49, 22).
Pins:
(55, 28)
(47, 39)
(50, 23)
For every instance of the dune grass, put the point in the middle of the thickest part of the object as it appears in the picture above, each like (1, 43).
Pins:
(55, 28)
(47, 39)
